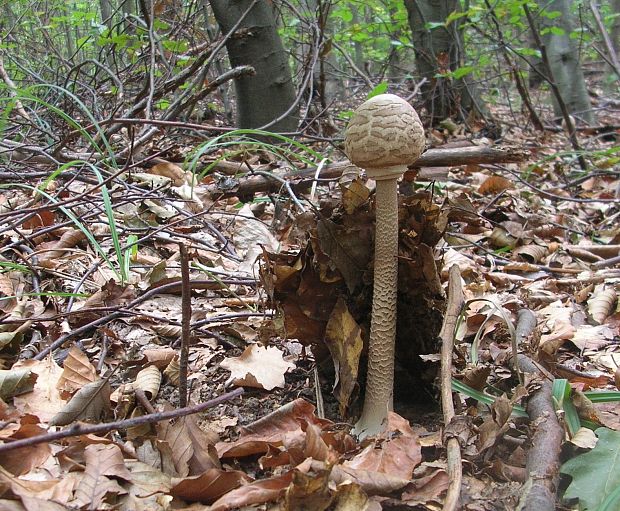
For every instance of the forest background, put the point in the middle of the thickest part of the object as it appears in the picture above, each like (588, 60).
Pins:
(142, 141)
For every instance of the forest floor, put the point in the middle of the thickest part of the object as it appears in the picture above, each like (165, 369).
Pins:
(93, 316)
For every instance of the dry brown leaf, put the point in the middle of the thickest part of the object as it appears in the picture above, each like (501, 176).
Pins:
(148, 380)
(258, 492)
(351, 497)
(257, 366)
(430, 487)
(77, 371)
(588, 337)
(271, 430)
(191, 448)
(602, 303)
(495, 184)
(531, 253)
(170, 170)
(208, 486)
(397, 455)
(146, 479)
(354, 195)
(308, 491)
(7, 293)
(51, 254)
(87, 404)
(44, 401)
(101, 461)
(160, 357)
(373, 483)
(343, 337)
(172, 371)
(349, 248)
(23, 460)
(16, 382)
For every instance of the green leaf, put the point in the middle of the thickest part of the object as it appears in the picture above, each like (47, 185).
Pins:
(430, 25)
(379, 89)
(462, 71)
(553, 31)
(562, 400)
(175, 46)
(455, 15)
(596, 474)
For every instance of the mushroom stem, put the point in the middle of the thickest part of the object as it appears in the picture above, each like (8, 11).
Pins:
(380, 380)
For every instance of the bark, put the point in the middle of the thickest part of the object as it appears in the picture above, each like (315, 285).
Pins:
(564, 60)
(615, 28)
(439, 50)
(105, 7)
(543, 457)
(267, 98)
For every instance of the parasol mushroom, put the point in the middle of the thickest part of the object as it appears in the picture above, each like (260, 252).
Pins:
(384, 136)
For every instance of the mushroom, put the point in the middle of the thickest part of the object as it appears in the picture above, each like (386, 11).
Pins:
(384, 136)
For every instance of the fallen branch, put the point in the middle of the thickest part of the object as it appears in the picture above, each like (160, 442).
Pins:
(95, 429)
(543, 457)
(448, 329)
(450, 157)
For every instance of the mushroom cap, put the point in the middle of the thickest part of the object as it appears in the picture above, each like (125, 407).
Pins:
(384, 136)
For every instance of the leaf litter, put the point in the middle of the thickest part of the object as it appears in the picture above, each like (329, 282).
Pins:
(281, 306)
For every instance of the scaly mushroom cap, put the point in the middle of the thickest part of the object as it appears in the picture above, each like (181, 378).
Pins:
(384, 136)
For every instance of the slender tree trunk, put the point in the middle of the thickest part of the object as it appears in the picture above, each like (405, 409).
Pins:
(563, 55)
(358, 56)
(269, 95)
(615, 28)
(439, 50)
(106, 13)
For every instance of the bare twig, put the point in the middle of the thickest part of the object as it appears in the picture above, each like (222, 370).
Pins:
(448, 328)
(96, 429)
(186, 317)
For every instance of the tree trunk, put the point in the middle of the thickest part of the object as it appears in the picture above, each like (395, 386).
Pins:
(439, 50)
(563, 55)
(106, 13)
(269, 94)
(615, 27)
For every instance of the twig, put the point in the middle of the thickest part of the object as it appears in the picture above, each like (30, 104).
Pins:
(448, 329)
(144, 401)
(170, 287)
(80, 429)
(186, 316)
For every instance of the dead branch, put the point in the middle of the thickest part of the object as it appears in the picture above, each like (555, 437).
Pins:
(452, 157)
(96, 429)
(543, 457)
(448, 329)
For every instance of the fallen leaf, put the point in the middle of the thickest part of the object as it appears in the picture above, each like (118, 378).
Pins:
(257, 366)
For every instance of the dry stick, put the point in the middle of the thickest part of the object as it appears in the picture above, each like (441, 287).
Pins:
(197, 284)
(19, 107)
(80, 429)
(448, 329)
(144, 401)
(543, 457)
(570, 125)
(186, 316)
(432, 158)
